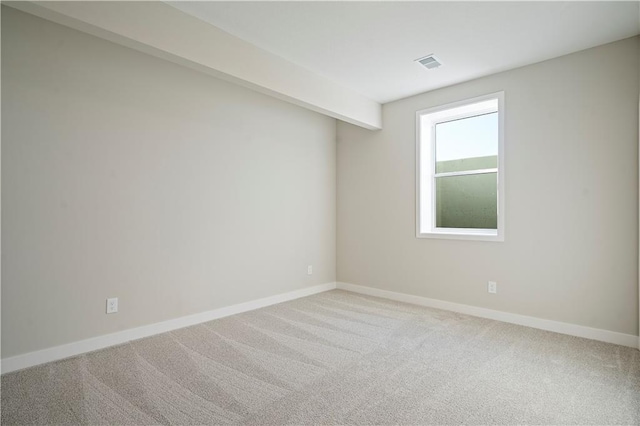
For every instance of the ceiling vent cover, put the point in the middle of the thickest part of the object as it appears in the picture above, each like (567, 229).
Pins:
(429, 62)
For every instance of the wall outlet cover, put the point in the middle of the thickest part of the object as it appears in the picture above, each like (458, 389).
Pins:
(112, 305)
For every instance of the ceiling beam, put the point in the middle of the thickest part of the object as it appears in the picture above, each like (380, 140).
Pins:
(160, 30)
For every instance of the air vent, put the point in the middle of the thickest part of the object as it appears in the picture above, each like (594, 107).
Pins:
(429, 62)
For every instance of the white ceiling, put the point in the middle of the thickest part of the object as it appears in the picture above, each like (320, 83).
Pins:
(370, 47)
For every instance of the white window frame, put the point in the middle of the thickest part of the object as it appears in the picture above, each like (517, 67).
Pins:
(426, 176)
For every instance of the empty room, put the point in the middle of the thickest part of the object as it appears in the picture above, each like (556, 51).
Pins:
(320, 213)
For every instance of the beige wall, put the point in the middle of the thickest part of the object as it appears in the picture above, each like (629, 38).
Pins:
(127, 176)
(571, 247)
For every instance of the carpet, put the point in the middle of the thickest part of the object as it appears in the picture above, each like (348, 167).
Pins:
(336, 358)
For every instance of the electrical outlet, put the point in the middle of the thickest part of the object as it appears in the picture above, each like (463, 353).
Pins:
(310, 270)
(492, 287)
(112, 305)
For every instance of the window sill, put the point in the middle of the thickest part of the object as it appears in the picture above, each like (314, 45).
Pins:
(463, 234)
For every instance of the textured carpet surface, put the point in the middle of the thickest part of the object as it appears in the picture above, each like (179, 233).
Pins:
(336, 358)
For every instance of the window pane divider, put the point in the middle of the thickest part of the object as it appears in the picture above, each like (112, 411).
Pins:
(466, 173)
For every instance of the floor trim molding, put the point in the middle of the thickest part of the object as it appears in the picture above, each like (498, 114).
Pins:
(543, 324)
(55, 353)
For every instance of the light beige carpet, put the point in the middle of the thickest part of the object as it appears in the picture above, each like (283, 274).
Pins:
(336, 358)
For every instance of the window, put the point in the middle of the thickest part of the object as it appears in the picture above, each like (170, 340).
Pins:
(460, 170)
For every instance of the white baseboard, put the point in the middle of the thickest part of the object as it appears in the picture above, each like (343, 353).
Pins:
(543, 324)
(31, 359)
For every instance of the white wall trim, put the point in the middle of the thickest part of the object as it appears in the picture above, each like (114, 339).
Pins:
(542, 324)
(55, 353)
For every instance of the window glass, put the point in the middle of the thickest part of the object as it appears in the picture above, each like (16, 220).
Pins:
(467, 144)
(467, 201)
